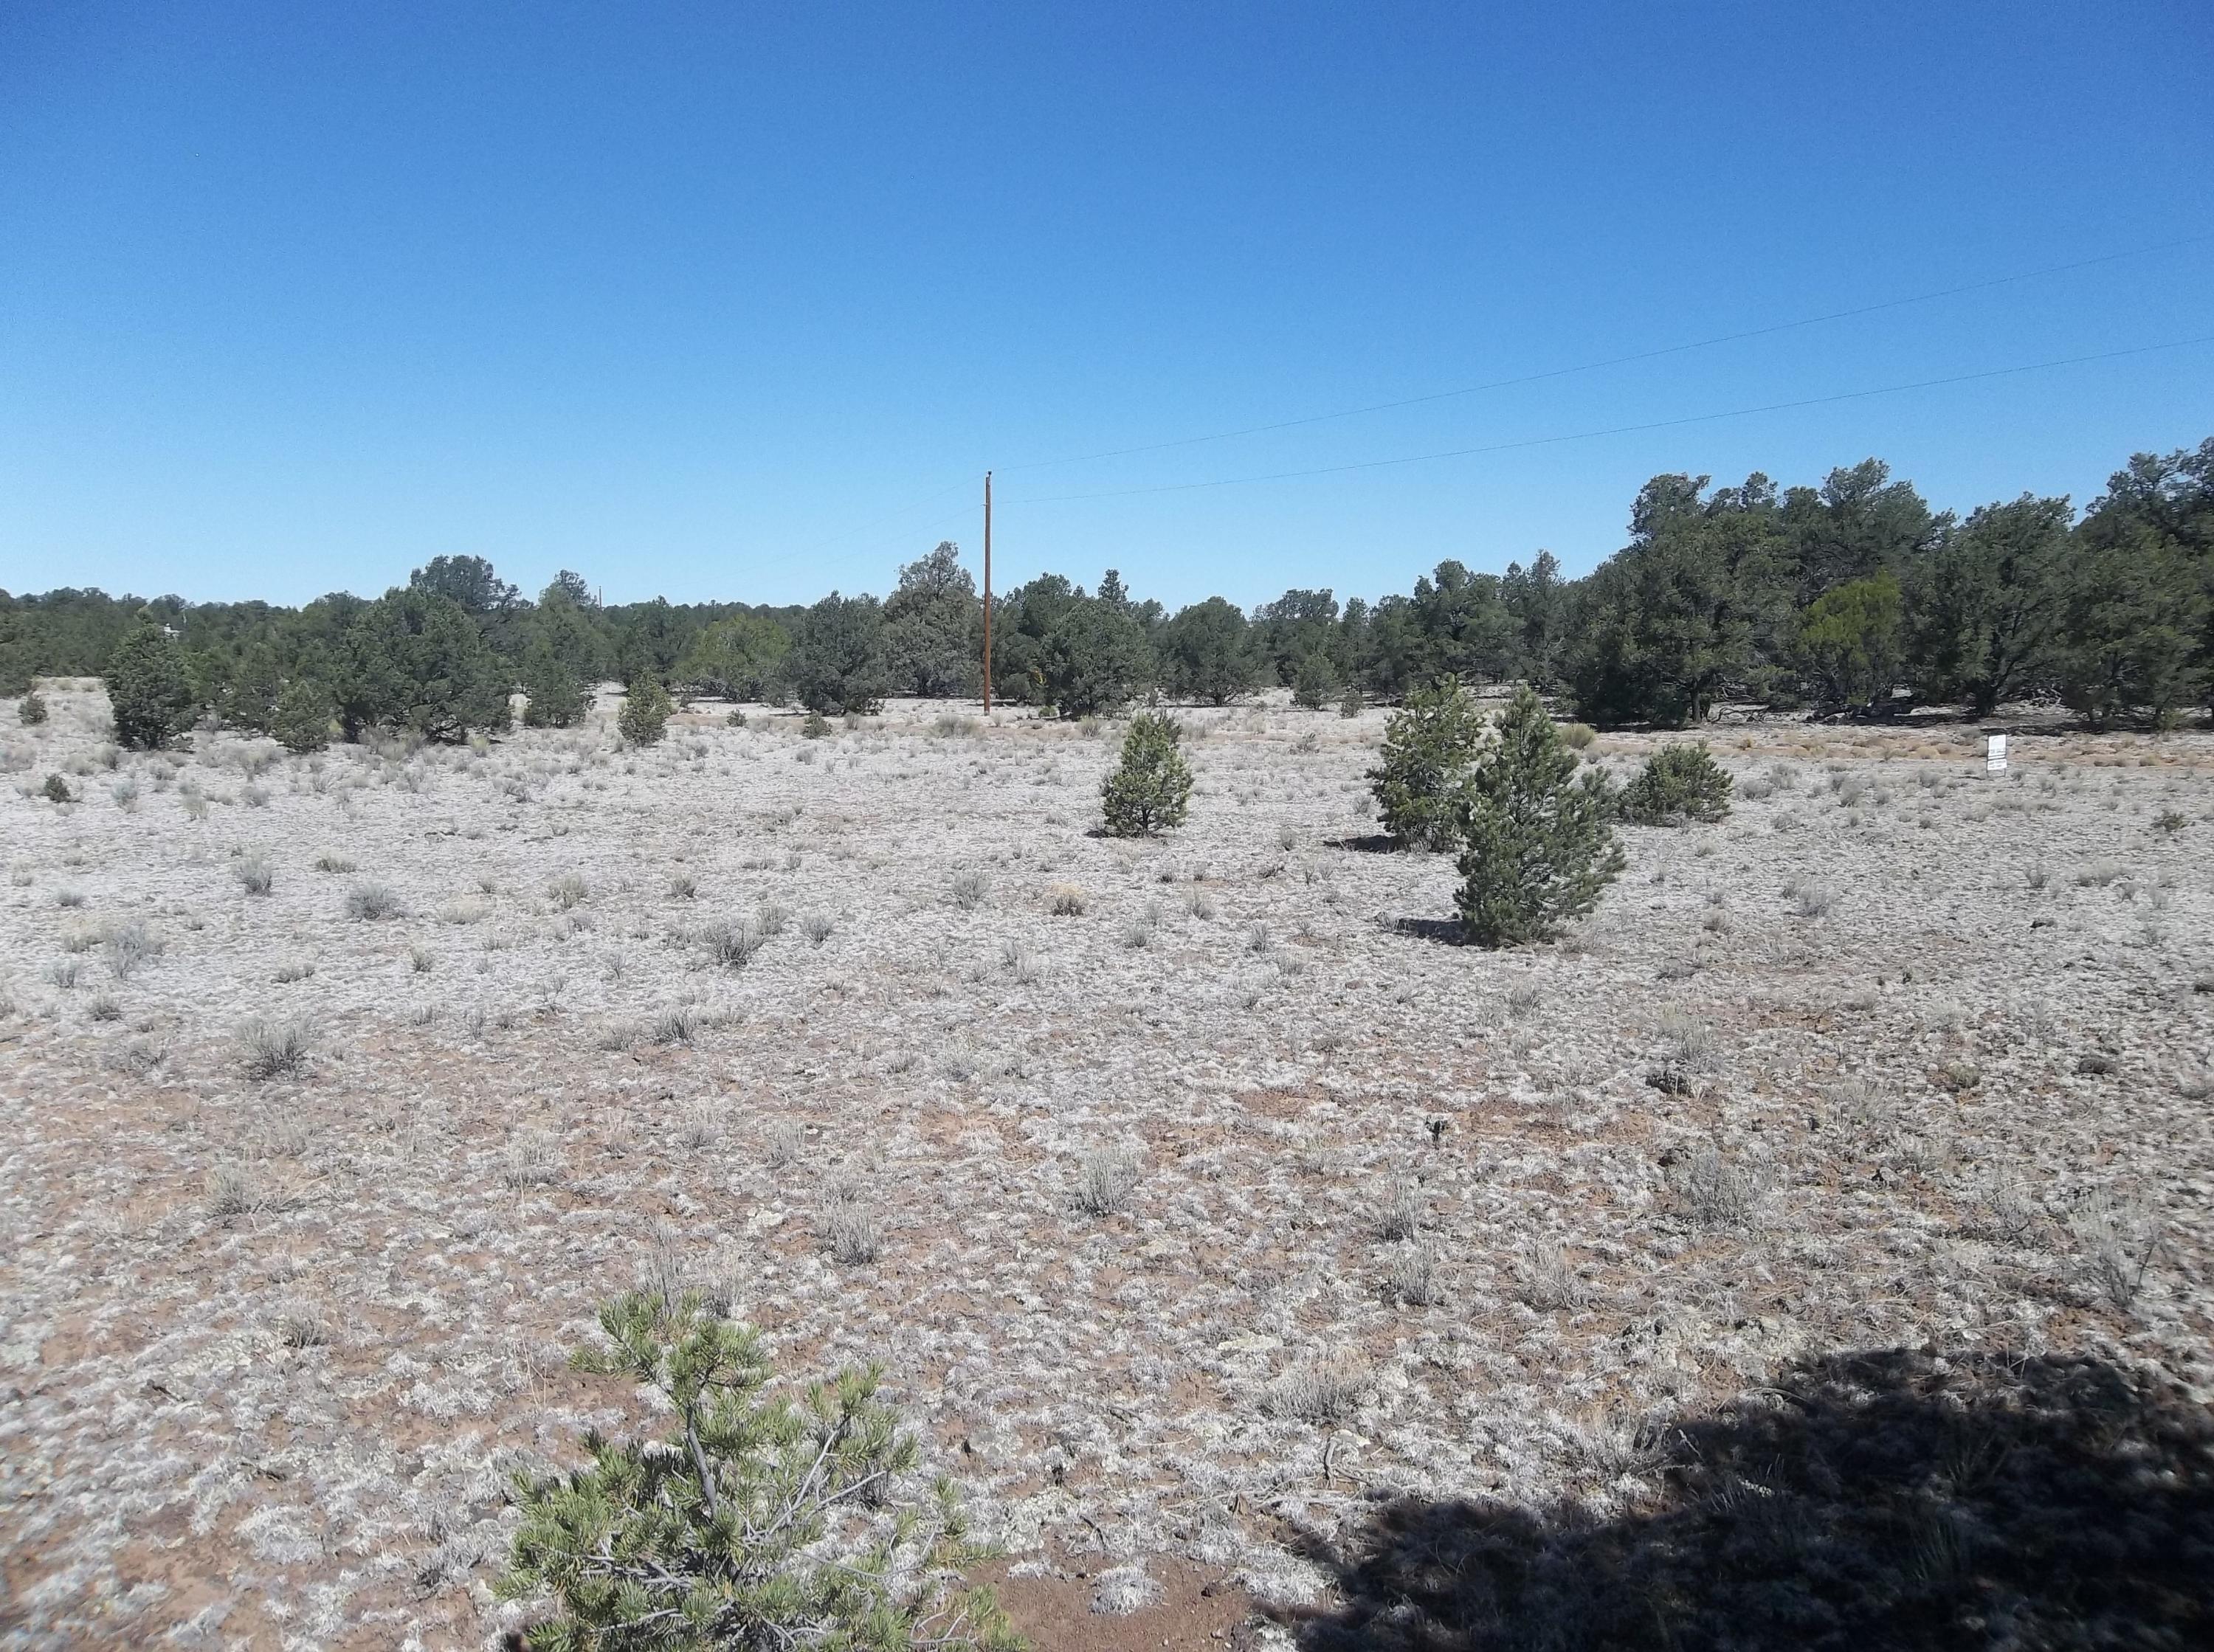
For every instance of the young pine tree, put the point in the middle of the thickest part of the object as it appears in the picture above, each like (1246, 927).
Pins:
(1318, 682)
(645, 712)
(1151, 786)
(556, 698)
(1429, 745)
(301, 721)
(752, 1522)
(1537, 847)
(147, 693)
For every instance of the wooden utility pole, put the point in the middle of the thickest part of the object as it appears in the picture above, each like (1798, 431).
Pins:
(987, 593)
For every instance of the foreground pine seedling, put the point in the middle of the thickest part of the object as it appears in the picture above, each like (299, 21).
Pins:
(753, 1521)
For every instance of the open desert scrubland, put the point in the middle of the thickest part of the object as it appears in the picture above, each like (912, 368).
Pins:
(1199, 1196)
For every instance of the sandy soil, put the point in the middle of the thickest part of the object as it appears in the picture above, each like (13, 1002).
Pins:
(1900, 1055)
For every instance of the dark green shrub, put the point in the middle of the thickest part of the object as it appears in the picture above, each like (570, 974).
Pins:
(32, 710)
(147, 693)
(753, 1521)
(1317, 684)
(838, 660)
(1538, 845)
(1150, 788)
(1353, 704)
(814, 726)
(1428, 747)
(1678, 783)
(57, 791)
(1207, 652)
(302, 719)
(555, 697)
(248, 699)
(645, 712)
(415, 659)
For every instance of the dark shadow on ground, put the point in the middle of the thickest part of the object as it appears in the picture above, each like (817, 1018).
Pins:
(1446, 931)
(1869, 1501)
(1375, 843)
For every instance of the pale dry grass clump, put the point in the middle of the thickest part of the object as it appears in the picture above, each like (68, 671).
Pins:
(1324, 1390)
(848, 1228)
(1106, 1178)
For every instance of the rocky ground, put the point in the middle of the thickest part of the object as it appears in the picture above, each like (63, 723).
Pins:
(1198, 1195)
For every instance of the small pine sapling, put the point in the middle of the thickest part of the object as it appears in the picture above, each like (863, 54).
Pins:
(1150, 788)
(1537, 842)
(646, 713)
(1429, 745)
(753, 1521)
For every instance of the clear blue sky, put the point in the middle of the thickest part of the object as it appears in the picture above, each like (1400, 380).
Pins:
(707, 301)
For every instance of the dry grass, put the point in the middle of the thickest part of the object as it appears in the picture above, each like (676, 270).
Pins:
(1168, 1249)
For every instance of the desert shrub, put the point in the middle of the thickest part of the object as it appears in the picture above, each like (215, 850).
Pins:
(1316, 682)
(371, 902)
(302, 719)
(254, 875)
(1353, 704)
(148, 694)
(32, 710)
(733, 942)
(755, 1522)
(1679, 783)
(56, 791)
(1538, 843)
(1151, 787)
(272, 1049)
(645, 712)
(1429, 747)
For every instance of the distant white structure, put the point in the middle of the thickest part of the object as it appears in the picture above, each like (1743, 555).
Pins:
(1995, 754)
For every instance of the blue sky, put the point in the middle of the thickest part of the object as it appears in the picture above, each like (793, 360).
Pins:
(739, 301)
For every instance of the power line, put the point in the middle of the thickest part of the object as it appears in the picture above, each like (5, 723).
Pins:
(1614, 361)
(1621, 430)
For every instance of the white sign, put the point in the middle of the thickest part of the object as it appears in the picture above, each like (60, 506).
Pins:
(1995, 754)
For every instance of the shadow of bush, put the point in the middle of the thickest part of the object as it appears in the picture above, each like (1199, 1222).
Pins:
(1869, 1499)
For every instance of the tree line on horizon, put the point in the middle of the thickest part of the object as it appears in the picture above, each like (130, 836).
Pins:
(1854, 597)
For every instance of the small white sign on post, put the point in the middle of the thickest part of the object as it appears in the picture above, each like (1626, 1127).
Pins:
(1995, 754)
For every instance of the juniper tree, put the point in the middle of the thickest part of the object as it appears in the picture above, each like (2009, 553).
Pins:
(753, 1521)
(1538, 845)
(147, 693)
(1151, 786)
(1428, 746)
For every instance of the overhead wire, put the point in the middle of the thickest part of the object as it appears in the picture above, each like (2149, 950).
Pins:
(1614, 429)
(1614, 361)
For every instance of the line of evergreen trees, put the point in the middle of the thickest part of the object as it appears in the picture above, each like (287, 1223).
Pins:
(1853, 597)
